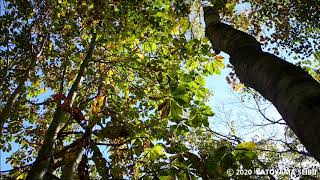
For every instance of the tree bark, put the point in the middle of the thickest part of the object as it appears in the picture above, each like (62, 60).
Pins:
(74, 155)
(83, 168)
(41, 164)
(294, 93)
(69, 168)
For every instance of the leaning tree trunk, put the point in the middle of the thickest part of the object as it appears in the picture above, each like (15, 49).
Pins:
(40, 166)
(294, 93)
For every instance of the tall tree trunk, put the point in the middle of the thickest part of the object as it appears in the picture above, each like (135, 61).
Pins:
(292, 91)
(41, 164)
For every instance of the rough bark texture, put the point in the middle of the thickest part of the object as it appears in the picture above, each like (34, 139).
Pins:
(294, 93)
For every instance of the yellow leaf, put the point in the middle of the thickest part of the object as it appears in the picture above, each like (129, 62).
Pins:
(247, 145)
(110, 73)
(50, 46)
(140, 55)
(43, 90)
(175, 31)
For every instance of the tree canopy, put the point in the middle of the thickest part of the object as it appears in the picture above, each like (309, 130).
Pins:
(116, 89)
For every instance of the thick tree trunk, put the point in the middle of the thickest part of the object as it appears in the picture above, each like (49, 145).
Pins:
(292, 91)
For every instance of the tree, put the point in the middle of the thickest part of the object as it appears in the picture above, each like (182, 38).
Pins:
(117, 75)
(292, 90)
(110, 89)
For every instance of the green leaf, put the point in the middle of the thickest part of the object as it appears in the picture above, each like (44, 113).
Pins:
(183, 129)
(200, 80)
(156, 152)
(159, 14)
(210, 67)
(182, 99)
(247, 145)
(194, 65)
(171, 150)
(167, 177)
(175, 110)
(220, 152)
(206, 110)
(149, 46)
(250, 154)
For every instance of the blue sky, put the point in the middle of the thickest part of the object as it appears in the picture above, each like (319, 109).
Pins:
(226, 102)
